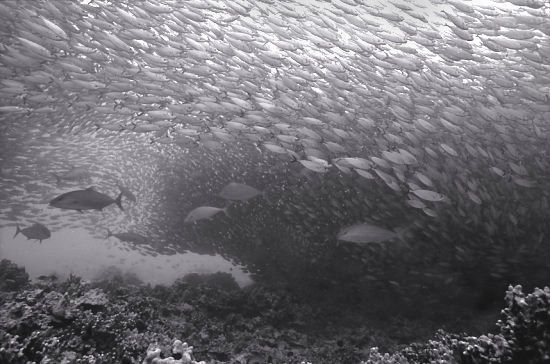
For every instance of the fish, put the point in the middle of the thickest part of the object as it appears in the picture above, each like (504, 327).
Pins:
(203, 213)
(36, 231)
(129, 236)
(417, 204)
(235, 191)
(362, 233)
(314, 166)
(428, 195)
(13, 109)
(275, 148)
(87, 199)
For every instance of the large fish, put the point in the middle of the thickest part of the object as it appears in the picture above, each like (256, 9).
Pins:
(88, 199)
(36, 231)
(129, 236)
(366, 233)
(203, 213)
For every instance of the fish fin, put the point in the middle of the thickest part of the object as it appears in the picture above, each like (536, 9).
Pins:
(118, 201)
(80, 211)
(109, 234)
(17, 231)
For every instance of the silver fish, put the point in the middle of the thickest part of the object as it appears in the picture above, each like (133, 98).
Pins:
(203, 213)
(88, 199)
(366, 233)
(36, 231)
(129, 236)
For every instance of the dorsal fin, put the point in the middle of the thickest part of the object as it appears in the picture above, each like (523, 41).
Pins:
(91, 188)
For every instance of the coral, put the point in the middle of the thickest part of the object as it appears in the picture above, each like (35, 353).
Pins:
(12, 277)
(375, 357)
(45, 325)
(452, 348)
(526, 324)
(104, 322)
(181, 354)
(93, 299)
(524, 337)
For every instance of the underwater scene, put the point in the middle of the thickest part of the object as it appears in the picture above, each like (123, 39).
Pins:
(275, 181)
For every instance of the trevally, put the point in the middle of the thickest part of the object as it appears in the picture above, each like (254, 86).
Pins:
(366, 233)
(36, 231)
(203, 213)
(128, 236)
(88, 199)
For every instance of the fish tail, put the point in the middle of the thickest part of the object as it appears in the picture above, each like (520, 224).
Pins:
(17, 231)
(402, 235)
(225, 211)
(266, 198)
(119, 201)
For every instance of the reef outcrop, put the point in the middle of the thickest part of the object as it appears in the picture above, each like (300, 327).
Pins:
(108, 322)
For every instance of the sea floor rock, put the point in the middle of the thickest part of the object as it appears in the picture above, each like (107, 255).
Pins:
(78, 322)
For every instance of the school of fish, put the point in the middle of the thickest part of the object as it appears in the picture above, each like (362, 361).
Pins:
(435, 109)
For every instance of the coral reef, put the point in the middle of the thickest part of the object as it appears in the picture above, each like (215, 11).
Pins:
(524, 337)
(12, 277)
(181, 354)
(525, 325)
(103, 322)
